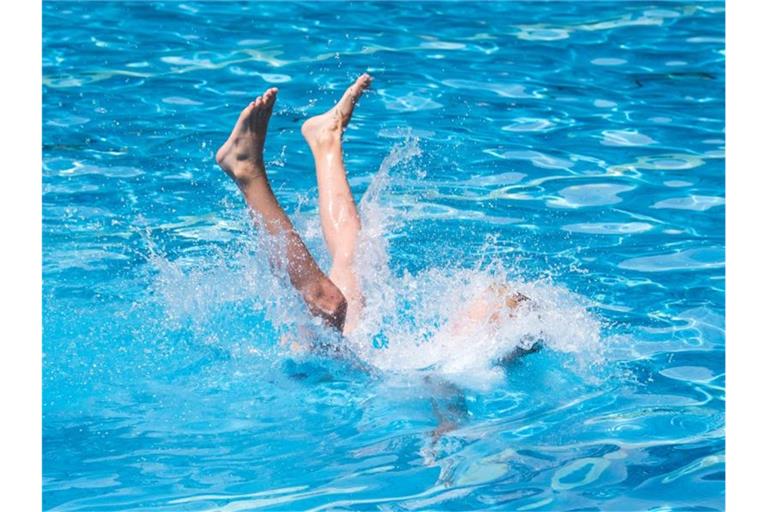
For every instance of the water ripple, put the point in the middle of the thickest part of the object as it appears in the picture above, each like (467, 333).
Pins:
(576, 149)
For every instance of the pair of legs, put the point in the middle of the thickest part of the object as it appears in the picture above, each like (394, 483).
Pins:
(336, 297)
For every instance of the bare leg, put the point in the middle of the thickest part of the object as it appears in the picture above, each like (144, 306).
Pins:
(338, 213)
(241, 157)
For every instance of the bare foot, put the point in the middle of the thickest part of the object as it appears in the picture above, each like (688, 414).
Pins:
(241, 156)
(325, 129)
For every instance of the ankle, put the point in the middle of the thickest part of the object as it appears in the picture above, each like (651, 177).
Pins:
(245, 172)
(328, 142)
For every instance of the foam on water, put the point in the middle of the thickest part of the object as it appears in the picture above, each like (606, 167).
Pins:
(414, 324)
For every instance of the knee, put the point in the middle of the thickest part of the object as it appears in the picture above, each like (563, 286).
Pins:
(327, 302)
(335, 307)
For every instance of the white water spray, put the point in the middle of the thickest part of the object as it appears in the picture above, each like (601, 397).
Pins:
(412, 325)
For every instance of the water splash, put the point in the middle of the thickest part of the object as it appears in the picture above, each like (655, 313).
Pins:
(429, 323)
(447, 322)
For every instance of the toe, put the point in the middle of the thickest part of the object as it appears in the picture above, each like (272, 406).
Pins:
(246, 111)
(364, 80)
(270, 96)
(362, 83)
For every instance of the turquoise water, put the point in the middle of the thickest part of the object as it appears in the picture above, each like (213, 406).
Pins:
(574, 149)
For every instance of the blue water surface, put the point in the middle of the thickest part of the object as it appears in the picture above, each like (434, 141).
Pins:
(578, 145)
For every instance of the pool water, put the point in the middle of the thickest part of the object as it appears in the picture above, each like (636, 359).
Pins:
(575, 150)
